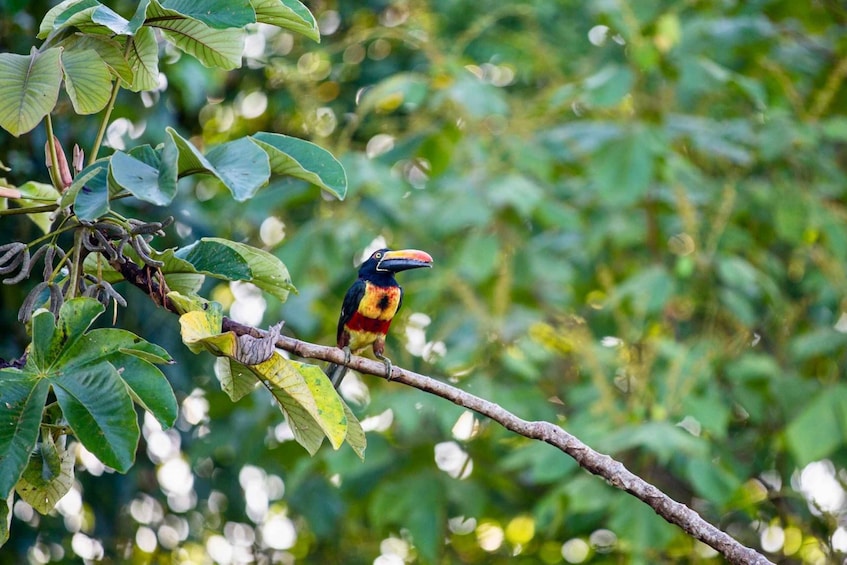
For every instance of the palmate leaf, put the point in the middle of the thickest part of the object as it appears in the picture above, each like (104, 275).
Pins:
(95, 375)
(212, 47)
(29, 88)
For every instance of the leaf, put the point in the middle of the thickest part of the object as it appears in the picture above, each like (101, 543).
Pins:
(304, 160)
(6, 517)
(108, 49)
(143, 59)
(608, 86)
(92, 374)
(180, 275)
(22, 397)
(139, 178)
(219, 14)
(29, 88)
(89, 193)
(212, 47)
(355, 433)
(313, 407)
(228, 260)
(202, 330)
(287, 14)
(98, 408)
(820, 428)
(242, 166)
(190, 160)
(236, 379)
(87, 80)
(48, 476)
(147, 385)
(89, 16)
(37, 194)
(622, 170)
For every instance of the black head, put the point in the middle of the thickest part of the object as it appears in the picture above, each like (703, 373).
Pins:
(387, 262)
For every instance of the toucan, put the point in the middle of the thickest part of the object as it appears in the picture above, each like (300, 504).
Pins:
(370, 305)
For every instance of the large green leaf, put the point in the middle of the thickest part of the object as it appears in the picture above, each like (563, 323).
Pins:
(242, 166)
(313, 408)
(288, 14)
(29, 88)
(229, 260)
(139, 178)
(98, 408)
(142, 56)
(87, 80)
(22, 396)
(212, 47)
(108, 48)
(218, 14)
(304, 160)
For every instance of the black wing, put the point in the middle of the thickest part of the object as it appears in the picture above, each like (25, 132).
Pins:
(351, 303)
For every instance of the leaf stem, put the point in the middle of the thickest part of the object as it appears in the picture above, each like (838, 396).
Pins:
(55, 174)
(116, 87)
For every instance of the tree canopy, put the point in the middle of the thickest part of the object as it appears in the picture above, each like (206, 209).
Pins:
(637, 214)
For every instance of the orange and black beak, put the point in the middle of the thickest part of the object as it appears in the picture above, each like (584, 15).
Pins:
(403, 260)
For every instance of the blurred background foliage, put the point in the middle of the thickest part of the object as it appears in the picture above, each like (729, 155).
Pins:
(637, 211)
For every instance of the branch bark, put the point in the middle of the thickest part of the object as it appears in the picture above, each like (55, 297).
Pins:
(597, 463)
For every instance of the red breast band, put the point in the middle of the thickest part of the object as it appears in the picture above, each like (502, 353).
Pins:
(359, 323)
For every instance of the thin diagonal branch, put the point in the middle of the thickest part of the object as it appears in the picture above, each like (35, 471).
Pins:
(593, 461)
(597, 463)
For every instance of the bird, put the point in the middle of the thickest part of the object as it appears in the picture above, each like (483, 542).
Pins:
(370, 304)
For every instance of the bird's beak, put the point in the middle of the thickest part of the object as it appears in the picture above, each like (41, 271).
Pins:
(404, 259)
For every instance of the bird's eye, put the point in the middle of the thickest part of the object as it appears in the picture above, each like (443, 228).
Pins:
(378, 255)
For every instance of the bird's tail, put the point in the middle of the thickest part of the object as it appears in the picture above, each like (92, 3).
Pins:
(335, 373)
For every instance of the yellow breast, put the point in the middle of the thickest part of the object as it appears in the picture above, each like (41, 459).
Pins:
(379, 303)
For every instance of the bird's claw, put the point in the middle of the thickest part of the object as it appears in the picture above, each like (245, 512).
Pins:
(388, 366)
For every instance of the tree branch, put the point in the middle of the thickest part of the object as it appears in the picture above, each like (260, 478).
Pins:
(597, 463)
(593, 461)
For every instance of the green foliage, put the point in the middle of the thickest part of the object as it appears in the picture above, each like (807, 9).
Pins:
(74, 380)
(637, 217)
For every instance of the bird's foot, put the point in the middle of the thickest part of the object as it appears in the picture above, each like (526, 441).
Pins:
(337, 372)
(388, 366)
